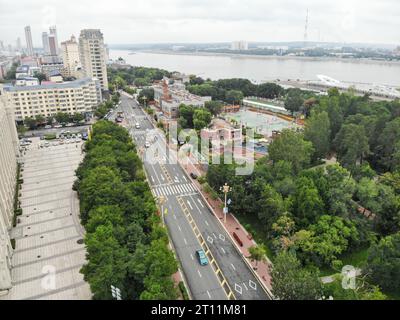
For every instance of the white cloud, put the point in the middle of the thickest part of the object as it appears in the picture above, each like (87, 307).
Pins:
(127, 21)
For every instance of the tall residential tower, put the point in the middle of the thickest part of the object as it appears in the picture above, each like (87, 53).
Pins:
(92, 55)
(29, 44)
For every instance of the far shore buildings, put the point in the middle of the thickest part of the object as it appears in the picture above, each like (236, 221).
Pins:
(169, 96)
(239, 46)
(79, 96)
(8, 170)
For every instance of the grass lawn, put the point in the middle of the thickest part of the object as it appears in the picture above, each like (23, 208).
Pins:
(253, 226)
(356, 259)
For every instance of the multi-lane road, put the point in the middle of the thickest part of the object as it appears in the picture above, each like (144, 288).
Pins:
(191, 224)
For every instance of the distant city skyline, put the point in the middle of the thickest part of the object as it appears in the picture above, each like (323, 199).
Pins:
(189, 21)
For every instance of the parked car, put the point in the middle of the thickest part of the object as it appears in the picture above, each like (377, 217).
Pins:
(70, 124)
(58, 126)
(193, 175)
(47, 127)
(201, 256)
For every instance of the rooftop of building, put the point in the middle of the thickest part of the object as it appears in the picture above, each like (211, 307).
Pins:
(66, 85)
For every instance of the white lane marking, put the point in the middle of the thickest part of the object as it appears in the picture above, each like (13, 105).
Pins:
(205, 221)
(152, 179)
(188, 202)
(200, 202)
(184, 240)
(177, 179)
(238, 288)
(233, 267)
(184, 178)
(209, 295)
(180, 189)
(252, 285)
(162, 177)
(223, 250)
(210, 240)
(245, 286)
(222, 237)
(192, 256)
(185, 188)
(214, 235)
(198, 271)
(179, 227)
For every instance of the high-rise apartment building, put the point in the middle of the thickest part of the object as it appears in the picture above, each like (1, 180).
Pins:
(70, 55)
(92, 55)
(53, 32)
(29, 43)
(8, 170)
(45, 42)
(53, 50)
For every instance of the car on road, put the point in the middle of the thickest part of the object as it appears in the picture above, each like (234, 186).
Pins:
(47, 127)
(70, 124)
(58, 126)
(201, 256)
(137, 125)
(193, 175)
(147, 144)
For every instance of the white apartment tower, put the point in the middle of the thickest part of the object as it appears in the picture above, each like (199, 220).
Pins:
(92, 55)
(28, 37)
(8, 170)
(70, 56)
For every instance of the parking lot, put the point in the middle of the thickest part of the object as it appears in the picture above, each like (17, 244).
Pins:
(49, 248)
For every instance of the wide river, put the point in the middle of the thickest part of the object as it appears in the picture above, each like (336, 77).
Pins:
(258, 69)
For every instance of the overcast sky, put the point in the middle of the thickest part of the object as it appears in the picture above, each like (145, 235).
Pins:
(152, 21)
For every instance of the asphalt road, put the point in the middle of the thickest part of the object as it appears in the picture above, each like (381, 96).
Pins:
(167, 178)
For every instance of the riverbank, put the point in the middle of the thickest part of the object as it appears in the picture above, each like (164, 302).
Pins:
(270, 57)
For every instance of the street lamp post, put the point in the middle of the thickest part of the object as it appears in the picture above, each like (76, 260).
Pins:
(225, 189)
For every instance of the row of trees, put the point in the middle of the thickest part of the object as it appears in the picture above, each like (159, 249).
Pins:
(126, 245)
(60, 117)
(138, 76)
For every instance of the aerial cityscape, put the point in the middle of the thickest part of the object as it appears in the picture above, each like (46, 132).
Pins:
(200, 151)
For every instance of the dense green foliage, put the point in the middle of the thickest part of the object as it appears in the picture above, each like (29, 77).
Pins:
(191, 117)
(126, 246)
(292, 282)
(320, 211)
(138, 76)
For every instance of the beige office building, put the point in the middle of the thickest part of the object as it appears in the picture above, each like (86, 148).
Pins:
(92, 55)
(8, 169)
(79, 96)
(70, 55)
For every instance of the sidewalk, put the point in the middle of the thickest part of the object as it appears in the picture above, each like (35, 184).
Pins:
(233, 226)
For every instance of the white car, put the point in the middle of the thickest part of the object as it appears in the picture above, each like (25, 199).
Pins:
(48, 127)
(147, 144)
(58, 126)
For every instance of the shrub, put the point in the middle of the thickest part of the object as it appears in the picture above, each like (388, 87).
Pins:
(183, 290)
